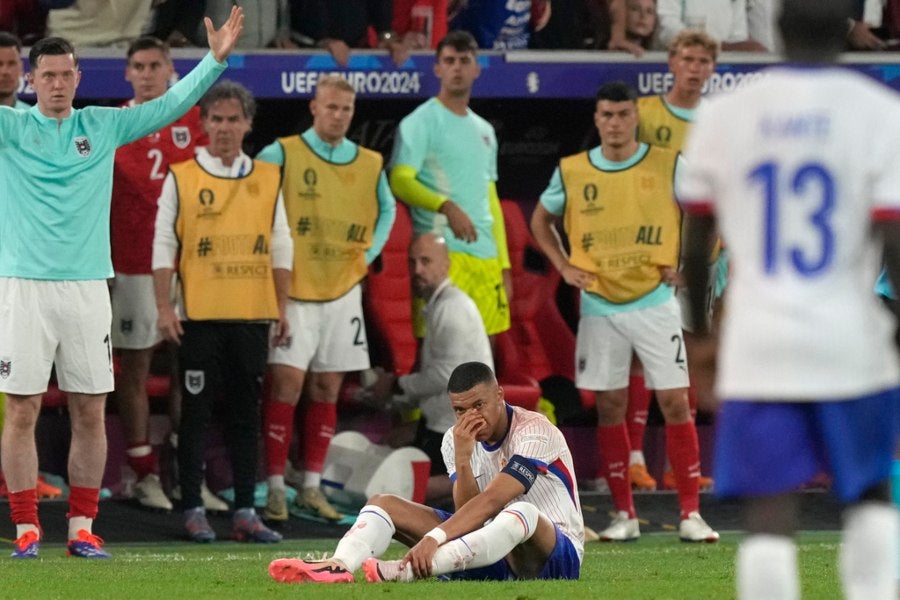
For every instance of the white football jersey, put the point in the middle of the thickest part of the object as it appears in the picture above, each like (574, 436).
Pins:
(795, 168)
(554, 492)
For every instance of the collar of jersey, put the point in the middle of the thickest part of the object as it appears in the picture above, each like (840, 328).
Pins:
(493, 447)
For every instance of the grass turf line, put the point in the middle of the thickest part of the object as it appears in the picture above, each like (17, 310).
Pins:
(656, 567)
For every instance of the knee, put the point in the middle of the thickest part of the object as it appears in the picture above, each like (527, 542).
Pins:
(325, 389)
(528, 513)
(384, 501)
(287, 384)
(674, 406)
(612, 406)
(21, 413)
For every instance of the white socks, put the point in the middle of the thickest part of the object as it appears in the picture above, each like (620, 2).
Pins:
(276, 482)
(311, 479)
(868, 556)
(636, 457)
(369, 537)
(76, 524)
(767, 568)
(485, 546)
(23, 528)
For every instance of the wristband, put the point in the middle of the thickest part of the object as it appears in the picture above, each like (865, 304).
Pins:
(438, 535)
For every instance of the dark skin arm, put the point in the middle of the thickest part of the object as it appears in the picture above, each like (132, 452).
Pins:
(698, 244)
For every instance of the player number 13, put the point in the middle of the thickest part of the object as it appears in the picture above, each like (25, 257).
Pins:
(812, 184)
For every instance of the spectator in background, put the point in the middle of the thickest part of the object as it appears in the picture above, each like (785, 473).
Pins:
(444, 166)
(140, 168)
(177, 22)
(762, 16)
(341, 212)
(454, 334)
(88, 23)
(10, 71)
(725, 20)
(25, 18)
(640, 22)
(221, 219)
(420, 23)
(340, 26)
(267, 23)
(871, 24)
(500, 25)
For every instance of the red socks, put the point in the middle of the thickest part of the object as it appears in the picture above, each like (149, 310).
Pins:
(612, 442)
(23, 507)
(278, 430)
(683, 451)
(638, 409)
(318, 429)
(142, 459)
(83, 502)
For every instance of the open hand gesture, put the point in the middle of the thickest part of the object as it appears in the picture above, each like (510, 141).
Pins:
(222, 40)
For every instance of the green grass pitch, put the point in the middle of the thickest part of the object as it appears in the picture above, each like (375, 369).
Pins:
(657, 567)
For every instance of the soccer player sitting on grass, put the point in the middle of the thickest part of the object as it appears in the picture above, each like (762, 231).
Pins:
(509, 466)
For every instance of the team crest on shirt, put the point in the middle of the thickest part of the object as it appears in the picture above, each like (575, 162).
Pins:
(194, 381)
(83, 145)
(5, 368)
(126, 325)
(181, 136)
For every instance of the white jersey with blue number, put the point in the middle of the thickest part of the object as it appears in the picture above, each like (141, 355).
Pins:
(530, 435)
(796, 168)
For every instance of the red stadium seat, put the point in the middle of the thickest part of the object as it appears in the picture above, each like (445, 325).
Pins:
(387, 303)
(539, 343)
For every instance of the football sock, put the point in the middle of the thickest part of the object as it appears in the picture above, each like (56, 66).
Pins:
(369, 537)
(76, 524)
(636, 417)
(278, 430)
(83, 502)
(614, 451)
(142, 459)
(489, 544)
(767, 568)
(868, 554)
(23, 508)
(318, 429)
(683, 451)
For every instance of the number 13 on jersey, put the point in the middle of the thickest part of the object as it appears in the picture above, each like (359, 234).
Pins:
(809, 188)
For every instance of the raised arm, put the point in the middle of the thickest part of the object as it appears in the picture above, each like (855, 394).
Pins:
(223, 40)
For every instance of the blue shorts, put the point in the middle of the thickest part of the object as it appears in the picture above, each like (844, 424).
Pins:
(562, 563)
(771, 448)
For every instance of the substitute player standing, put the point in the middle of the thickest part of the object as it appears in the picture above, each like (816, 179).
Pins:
(801, 172)
(54, 263)
(140, 169)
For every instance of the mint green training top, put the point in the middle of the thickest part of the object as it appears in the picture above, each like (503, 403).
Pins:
(56, 179)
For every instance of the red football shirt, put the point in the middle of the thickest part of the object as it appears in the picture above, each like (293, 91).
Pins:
(140, 169)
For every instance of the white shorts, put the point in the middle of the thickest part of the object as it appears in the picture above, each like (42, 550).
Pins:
(325, 337)
(134, 312)
(604, 346)
(66, 323)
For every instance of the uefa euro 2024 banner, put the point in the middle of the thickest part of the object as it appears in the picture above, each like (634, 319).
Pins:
(523, 74)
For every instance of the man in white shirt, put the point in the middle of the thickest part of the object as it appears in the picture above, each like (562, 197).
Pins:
(454, 334)
(221, 217)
